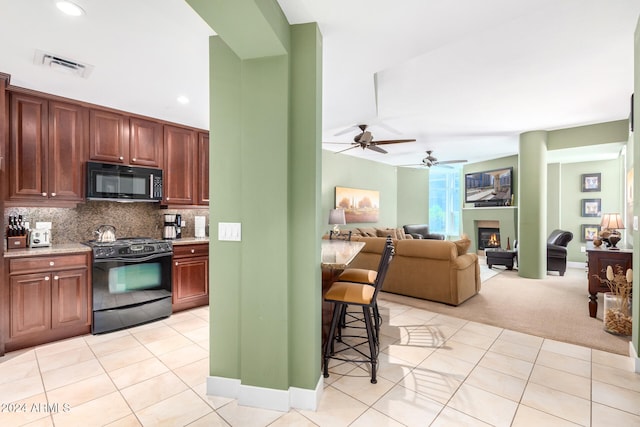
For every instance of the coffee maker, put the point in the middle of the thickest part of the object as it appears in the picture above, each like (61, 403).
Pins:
(172, 226)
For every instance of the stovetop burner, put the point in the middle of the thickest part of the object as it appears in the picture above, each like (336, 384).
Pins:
(129, 247)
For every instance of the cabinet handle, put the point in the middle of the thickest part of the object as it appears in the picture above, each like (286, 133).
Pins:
(121, 158)
(53, 194)
(51, 263)
(55, 277)
(44, 194)
(46, 278)
(133, 160)
(193, 251)
(176, 263)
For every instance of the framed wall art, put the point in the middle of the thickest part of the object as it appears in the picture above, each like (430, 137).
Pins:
(359, 205)
(591, 207)
(589, 232)
(591, 182)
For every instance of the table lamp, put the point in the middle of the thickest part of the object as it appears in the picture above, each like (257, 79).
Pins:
(612, 222)
(336, 218)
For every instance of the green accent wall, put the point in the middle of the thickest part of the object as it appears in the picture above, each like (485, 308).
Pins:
(413, 196)
(635, 335)
(569, 189)
(265, 96)
(404, 192)
(340, 170)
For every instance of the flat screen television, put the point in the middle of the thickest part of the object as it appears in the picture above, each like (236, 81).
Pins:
(489, 188)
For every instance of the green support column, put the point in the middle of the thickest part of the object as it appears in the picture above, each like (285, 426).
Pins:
(532, 205)
(265, 172)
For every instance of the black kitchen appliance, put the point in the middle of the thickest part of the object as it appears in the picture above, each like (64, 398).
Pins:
(131, 281)
(122, 183)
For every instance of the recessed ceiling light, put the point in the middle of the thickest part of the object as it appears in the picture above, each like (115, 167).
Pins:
(183, 99)
(70, 8)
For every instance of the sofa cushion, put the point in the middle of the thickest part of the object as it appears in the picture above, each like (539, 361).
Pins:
(426, 248)
(462, 245)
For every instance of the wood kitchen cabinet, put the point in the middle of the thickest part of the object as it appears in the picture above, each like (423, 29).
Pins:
(202, 179)
(117, 138)
(180, 170)
(48, 299)
(47, 153)
(190, 276)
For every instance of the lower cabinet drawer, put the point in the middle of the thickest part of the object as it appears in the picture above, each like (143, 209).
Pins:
(48, 263)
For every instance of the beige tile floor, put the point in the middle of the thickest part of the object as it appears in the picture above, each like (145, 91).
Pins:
(434, 371)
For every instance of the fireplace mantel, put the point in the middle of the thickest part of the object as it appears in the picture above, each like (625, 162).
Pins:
(505, 216)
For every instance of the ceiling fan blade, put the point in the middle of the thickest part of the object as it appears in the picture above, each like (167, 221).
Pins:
(394, 141)
(347, 130)
(414, 164)
(341, 151)
(448, 162)
(376, 148)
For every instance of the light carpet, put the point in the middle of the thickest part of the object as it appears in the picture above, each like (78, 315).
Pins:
(555, 307)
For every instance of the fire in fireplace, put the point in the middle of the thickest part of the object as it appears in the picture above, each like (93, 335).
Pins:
(488, 238)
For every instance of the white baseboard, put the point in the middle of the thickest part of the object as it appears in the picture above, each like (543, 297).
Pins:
(634, 357)
(266, 398)
(574, 264)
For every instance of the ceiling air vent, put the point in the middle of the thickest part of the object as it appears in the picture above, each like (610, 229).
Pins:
(65, 65)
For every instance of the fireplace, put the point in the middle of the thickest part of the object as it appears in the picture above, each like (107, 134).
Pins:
(488, 237)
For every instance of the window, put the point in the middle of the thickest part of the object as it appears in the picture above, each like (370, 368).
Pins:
(444, 201)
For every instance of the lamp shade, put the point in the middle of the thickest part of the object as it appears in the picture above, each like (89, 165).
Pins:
(336, 216)
(611, 221)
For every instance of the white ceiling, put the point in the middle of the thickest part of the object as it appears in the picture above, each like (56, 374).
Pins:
(463, 77)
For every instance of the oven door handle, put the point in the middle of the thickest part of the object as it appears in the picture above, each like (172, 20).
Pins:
(132, 259)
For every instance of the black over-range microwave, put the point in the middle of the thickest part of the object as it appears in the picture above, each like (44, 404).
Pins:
(122, 183)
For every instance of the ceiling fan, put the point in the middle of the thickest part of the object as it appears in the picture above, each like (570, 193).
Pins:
(365, 140)
(433, 161)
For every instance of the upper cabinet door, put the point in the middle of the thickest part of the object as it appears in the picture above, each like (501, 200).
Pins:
(179, 169)
(146, 147)
(109, 137)
(68, 132)
(29, 140)
(203, 168)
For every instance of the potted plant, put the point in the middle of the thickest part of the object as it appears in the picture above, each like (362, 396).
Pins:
(617, 302)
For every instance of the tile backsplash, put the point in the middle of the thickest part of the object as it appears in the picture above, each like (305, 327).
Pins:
(130, 220)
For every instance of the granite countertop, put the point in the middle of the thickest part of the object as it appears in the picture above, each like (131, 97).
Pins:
(189, 241)
(79, 247)
(51, 250)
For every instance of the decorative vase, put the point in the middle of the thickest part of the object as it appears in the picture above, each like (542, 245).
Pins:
(597, 242)
(616, 315)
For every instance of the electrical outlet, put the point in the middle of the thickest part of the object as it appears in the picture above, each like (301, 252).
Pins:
(583, 249)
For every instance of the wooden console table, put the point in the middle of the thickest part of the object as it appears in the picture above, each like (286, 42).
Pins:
(598, 261)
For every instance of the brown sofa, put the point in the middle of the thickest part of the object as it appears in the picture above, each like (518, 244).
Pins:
(435, 270)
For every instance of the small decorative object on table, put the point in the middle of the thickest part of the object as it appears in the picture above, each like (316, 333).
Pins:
(617, 303)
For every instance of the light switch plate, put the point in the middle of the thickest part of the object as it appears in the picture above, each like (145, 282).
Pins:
(635, 223)
(231, 231)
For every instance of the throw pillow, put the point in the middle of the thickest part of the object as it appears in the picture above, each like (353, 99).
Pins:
(462, 245)
(382, 232)
(400, 233)
(368, 231)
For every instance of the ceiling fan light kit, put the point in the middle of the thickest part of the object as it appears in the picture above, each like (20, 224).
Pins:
(430, 160)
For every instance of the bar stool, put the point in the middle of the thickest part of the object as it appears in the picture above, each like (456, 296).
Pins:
(362, 275)
(343, 294)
